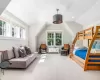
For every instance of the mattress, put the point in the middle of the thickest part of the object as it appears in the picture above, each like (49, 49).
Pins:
(82, 54)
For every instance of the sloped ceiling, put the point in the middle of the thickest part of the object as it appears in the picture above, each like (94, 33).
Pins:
(3, 5)
(31, 11)
(91, 16)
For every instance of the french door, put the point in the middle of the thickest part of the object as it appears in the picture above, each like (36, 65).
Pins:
(54, 38)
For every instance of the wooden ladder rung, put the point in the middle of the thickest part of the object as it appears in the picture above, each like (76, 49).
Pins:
(93, 62)
(94, 58)
(98, 36)
(94, 54)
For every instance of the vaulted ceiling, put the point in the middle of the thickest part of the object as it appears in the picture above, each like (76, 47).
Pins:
(31, 11)
(3, 5)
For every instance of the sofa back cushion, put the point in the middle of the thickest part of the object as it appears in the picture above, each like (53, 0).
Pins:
(8, 54)
(15, 52)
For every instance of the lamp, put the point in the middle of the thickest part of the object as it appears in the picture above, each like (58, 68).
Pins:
(57, 18)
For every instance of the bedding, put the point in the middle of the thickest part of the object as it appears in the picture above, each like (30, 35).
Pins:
(82, 54)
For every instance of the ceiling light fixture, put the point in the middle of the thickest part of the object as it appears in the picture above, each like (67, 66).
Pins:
(57, 18)
(73, 17)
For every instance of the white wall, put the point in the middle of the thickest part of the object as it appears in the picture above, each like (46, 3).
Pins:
(33, 31)
(37, 32)
(67, 38)
(7, 43)
(69, 31)
(74, 27)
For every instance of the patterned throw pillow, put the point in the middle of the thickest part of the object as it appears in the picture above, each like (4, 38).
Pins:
(28, 50)
(22, 52)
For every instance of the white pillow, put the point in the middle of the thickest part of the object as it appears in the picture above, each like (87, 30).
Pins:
(92, 50)
(95, 50)
(76, 47)
(83, 48)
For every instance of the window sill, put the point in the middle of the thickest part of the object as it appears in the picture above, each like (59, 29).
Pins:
(9, 38)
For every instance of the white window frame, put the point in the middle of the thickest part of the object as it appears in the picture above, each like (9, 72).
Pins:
(17, 31)
(14, 27)
(7, 30)
(54, 31)
(22, 33)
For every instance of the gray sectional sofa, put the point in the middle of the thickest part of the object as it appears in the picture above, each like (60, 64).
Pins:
(19, 62)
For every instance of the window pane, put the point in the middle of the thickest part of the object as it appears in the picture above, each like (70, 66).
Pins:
(12, 32)
(4, 28)
(1, 27)
(58, 39)
(8, 30)
(50, 42)
(58, 42)
(24, 34)
(17, 32)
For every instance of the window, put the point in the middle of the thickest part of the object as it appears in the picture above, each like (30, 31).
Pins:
(8, 30)
(22, 33)
(50, 39)
(58, 38)
(11, 30)
(17, 32)
(54, 38)
(2, 27)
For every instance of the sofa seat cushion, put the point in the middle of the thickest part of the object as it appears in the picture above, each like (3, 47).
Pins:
(22, 62)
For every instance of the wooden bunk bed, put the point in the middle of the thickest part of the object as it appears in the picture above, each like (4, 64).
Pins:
(91, 35)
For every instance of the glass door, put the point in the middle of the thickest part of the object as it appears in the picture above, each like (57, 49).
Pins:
(50, 39)
(58, 39)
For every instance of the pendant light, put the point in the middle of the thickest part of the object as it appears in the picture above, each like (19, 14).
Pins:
(57, 18)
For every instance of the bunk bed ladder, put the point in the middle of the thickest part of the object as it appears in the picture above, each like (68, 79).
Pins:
(92, 61)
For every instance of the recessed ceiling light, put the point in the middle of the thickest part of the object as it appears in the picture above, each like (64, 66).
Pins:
(96, 2)
(73, 17)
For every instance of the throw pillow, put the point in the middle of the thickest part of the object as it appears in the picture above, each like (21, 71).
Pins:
(15, 52)
(94, 45)
(28, 50)
(21, 53)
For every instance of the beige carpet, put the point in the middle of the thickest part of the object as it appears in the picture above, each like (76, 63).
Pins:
(52, 67)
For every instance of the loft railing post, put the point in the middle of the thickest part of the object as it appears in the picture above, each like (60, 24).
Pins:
(73, 44)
